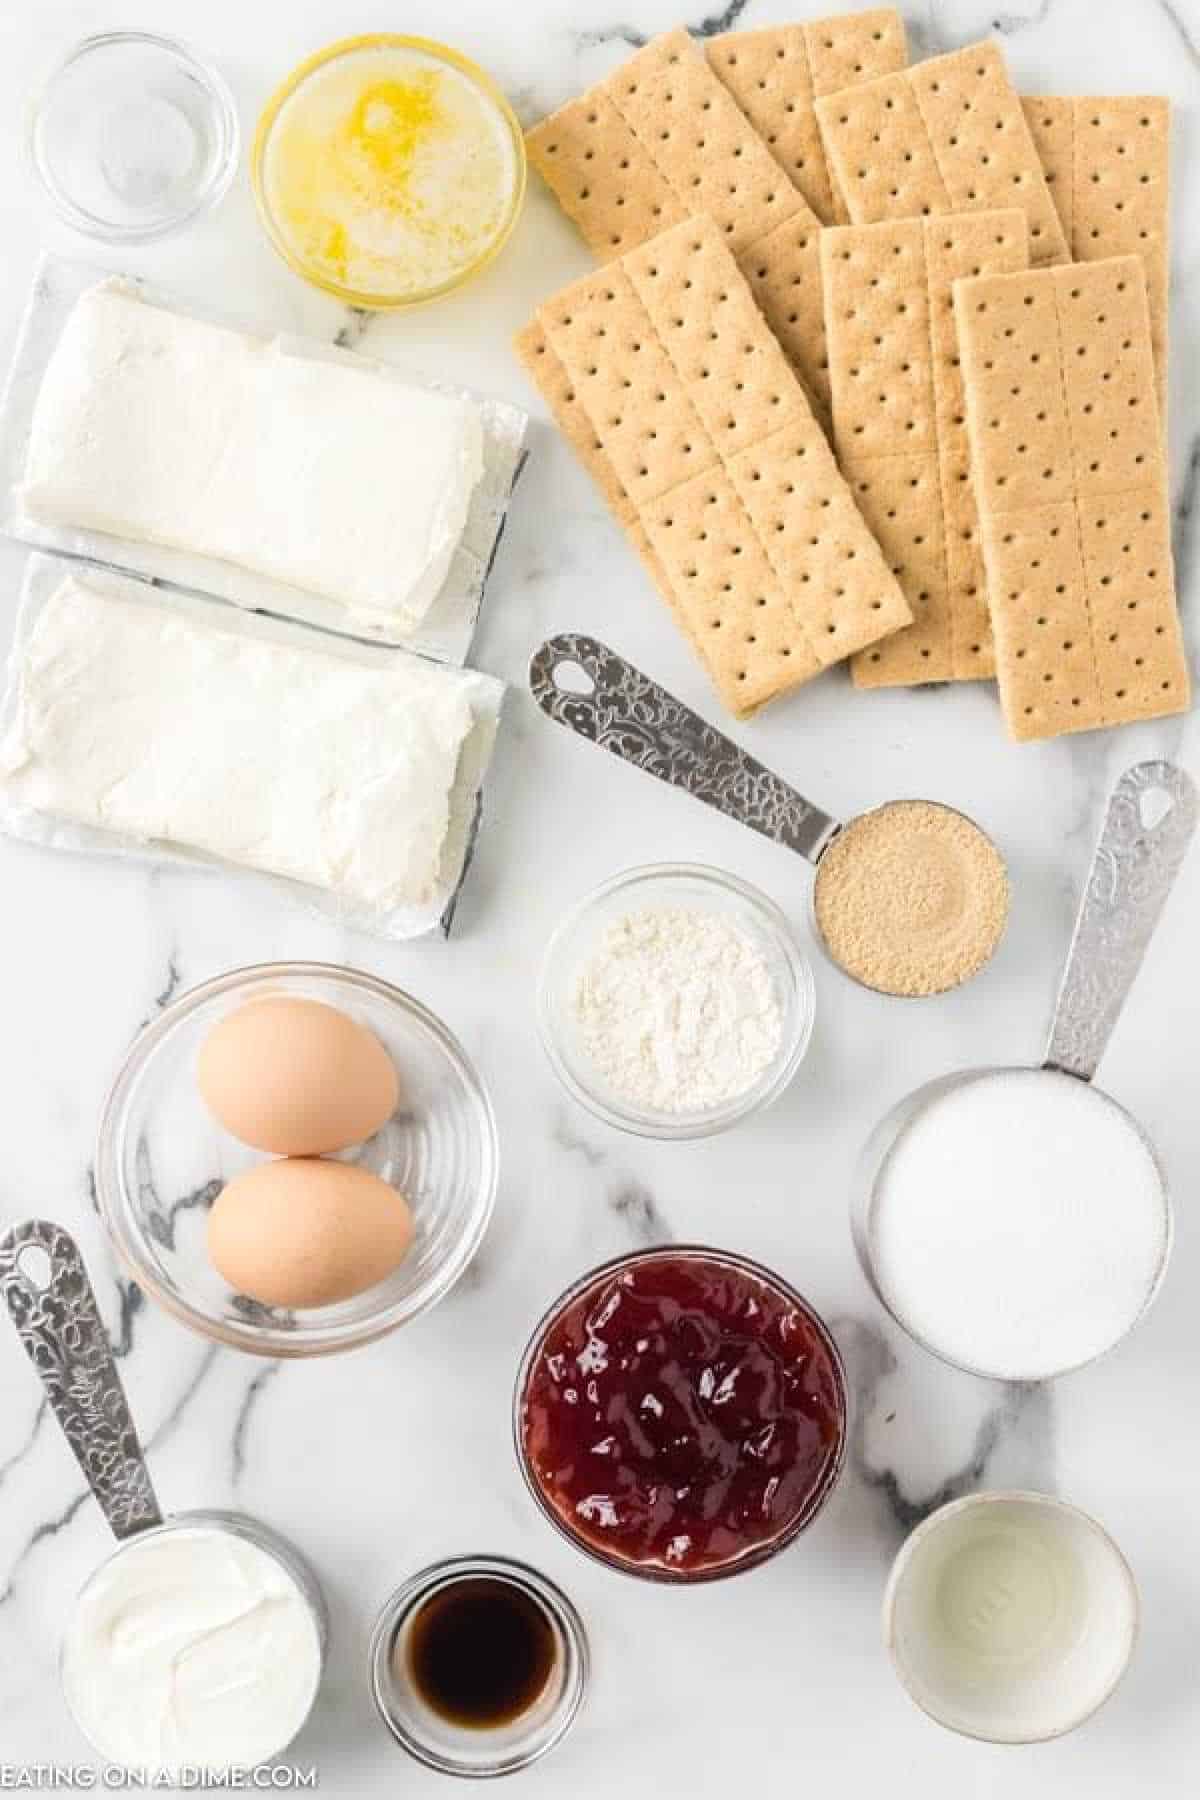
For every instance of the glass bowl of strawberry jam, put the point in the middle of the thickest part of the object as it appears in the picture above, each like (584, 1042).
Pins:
(680, 1414)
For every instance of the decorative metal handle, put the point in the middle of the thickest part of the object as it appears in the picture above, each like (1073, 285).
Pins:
(62, 1331)
(632, 717)
(1151, 818)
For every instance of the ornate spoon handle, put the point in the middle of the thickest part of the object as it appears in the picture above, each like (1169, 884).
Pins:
(629, 715)
(62, 1331)
(1151, 818)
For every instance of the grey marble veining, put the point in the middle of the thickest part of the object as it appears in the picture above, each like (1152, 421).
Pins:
(1184, 22)
(256, 1389)
(1013, 1423)
(379, 1462)
(727, 18)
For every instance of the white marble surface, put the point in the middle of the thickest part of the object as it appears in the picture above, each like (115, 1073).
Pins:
(379, 1462)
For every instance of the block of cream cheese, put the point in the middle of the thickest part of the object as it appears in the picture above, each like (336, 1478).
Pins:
(340, 479)
(133, 717)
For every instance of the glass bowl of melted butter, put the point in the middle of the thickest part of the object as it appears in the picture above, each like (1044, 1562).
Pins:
(388, 170)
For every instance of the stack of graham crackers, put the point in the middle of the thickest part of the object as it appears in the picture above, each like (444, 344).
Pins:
(874, 366)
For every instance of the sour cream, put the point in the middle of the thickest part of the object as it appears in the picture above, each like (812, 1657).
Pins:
(192, 1646)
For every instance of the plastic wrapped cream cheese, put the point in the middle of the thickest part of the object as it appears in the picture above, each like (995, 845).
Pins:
(191, 1648)
(338, 478)
(137, 719)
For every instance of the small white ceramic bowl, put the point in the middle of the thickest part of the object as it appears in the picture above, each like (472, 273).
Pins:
(661, 886)
(1010, 1617)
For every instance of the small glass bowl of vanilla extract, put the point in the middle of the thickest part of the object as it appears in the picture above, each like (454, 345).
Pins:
(478, 1665)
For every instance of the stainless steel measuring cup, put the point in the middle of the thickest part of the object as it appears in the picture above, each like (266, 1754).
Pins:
(45, 1287)
(627, 714)
(1151, 818)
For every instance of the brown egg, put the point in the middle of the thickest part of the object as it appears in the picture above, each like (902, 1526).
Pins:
(296, 1077)
(304, 1232)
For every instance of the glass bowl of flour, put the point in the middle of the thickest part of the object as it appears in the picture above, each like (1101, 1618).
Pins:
(675, 1000)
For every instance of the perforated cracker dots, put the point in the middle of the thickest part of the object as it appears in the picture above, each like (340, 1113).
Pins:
(959, 150)
(724, 548)
(938, 563)
(1084, 584)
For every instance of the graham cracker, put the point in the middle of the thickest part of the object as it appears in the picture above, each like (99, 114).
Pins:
(710, 440)
(777, 73)
(944, 136)
(554, 384)
(900, 426)
(662, 139)
(1071, 484)
(1106, 158)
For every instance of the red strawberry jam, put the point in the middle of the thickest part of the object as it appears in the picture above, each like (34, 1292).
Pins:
(682, 1413)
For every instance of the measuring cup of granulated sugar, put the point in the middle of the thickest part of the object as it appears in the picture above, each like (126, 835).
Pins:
(1015, 1221)
(910, 899)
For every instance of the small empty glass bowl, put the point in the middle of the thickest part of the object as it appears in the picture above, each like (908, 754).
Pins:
(161, 1160)
(663, 886)
(133, 135)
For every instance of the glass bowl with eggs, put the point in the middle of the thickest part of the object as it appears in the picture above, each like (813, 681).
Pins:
(296, 1158)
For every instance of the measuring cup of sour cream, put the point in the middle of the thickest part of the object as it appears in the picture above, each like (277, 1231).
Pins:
(199, 1642)
(1015, 1221)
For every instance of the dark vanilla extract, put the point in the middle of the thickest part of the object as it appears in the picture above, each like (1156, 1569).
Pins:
(480, 1651)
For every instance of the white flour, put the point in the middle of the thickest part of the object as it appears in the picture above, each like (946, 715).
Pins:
(677, 1009)
(1019, 1224)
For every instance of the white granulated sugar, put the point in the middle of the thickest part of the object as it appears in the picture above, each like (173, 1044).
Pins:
(1019, 1224)
(677, 1010)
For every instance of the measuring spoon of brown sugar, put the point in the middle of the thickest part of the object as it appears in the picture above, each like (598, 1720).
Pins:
(910, 898)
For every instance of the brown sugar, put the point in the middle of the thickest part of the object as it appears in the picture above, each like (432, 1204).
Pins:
(911, 898)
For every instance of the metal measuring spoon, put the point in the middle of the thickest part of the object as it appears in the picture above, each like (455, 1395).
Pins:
(1149, 823)
(627, 714)
(60, 1326)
